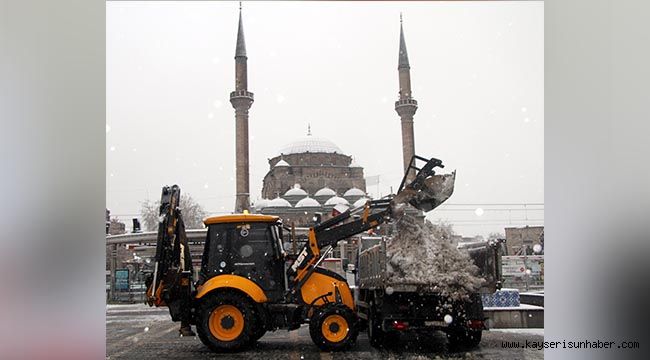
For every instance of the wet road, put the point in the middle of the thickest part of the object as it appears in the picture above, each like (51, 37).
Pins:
(140, 332)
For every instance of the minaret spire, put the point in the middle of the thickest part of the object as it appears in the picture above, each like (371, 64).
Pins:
(241, 99)
(241, 42)
(403, 62)
(406, 106)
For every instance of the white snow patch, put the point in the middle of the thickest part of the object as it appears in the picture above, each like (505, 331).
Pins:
(539, 332)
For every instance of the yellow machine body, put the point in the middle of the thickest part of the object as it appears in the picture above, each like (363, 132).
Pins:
(240, 283)
(320, 284)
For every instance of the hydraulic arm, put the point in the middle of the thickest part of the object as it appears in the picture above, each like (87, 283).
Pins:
(170, 283)
(425, 192)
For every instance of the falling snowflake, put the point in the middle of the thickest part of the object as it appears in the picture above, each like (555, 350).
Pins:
(112, 148)
(479, 212)
(448, 319)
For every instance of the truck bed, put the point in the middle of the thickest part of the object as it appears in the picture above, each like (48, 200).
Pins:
(372, 269)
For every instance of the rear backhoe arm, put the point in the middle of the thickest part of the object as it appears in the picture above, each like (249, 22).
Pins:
(170, 282)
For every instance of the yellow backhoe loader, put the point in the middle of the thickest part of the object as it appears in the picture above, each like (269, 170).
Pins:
(248, 285)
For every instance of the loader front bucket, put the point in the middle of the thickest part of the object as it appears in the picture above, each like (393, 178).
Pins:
(427, 190)
(435, 190)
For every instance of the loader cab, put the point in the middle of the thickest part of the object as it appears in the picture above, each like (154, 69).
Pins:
(247, 245)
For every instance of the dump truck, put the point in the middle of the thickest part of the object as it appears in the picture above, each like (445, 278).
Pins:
(248, 284)
(391, 307)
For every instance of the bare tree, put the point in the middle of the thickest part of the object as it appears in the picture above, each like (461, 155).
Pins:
(193, 213)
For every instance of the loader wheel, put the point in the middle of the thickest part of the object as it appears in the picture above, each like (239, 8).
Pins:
(226, 321)
(333, 327)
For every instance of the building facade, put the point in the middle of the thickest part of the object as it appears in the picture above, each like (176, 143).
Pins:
(310, 176)
(521, 240)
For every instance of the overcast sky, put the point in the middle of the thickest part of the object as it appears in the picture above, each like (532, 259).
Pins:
(477, 72)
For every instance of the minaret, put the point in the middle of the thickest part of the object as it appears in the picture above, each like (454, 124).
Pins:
(406, 105)
(241, 99)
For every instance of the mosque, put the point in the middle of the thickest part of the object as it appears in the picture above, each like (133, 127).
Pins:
(311, 175)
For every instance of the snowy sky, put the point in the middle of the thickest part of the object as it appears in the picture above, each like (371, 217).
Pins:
(477, 71)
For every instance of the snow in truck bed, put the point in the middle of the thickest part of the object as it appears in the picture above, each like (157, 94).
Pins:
(420, 254)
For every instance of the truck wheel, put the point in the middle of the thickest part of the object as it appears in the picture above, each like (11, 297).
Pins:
(226, 321)
(464, 338)
(375, 333)
(333, 327)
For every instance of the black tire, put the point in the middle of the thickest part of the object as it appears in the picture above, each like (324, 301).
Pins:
(259, 332)
(375, 333)
(342, 331)
(465, 338)
(226, 300)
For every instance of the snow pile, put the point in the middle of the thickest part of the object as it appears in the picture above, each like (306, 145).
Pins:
(423, 255)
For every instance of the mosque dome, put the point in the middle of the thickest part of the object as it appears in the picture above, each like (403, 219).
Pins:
(311, 144)
(307, 202)
(325, 192)
(336, 200)
(295, 191)
(261, 203)
(360, 202)
(354, 192)
(278, 202)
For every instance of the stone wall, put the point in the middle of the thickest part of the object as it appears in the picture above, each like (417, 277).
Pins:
(312, 171)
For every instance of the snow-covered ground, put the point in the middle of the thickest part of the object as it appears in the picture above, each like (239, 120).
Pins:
(539, 332)
(520, 307)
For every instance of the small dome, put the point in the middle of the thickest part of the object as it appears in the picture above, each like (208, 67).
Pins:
(325, 192)
(336, 200)
(307, 202)
(311, 144)
(360, 202)
(354, 192)
(282, 163)
(261, 204)
(278, 202)
(295, 191)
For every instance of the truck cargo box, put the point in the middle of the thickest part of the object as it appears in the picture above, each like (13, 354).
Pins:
(373, 275)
